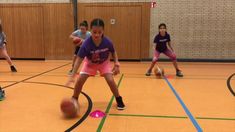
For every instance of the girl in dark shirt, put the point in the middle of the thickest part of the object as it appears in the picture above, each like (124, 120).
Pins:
(162, 40)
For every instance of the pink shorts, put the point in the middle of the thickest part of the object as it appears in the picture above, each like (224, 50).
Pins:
(167, 52)
(91, 68)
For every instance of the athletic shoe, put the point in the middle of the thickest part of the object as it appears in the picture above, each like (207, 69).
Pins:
(120, 104)
(179, 73)
(13, 69)
(2, 94)
(148, 73)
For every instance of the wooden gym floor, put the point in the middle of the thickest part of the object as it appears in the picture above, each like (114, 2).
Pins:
(200, 100)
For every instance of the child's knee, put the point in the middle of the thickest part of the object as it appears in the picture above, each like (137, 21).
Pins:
(155, 59)
(173, 57)
(4, 56)
(110, 80)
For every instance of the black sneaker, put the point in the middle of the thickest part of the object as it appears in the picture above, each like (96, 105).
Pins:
(179, 73)
(13, 69)
(2, 94)
(70, 72)
(148, 73)
(120, 104)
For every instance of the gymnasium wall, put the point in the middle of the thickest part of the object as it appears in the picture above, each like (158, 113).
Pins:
(203, 29)
(38, 30)
(34, 1)
(50, 24)
(130, 29)
(199, 29)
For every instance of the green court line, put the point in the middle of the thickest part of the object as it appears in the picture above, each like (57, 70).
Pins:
(162, 116)
(108, 108)
(151, 116)
(214, 118)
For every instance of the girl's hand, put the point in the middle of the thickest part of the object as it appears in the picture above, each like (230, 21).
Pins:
(77, 41)
(116, 70)
(80, 43)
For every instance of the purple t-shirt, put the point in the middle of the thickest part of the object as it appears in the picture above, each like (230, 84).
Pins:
(161, 42)
(96, 54)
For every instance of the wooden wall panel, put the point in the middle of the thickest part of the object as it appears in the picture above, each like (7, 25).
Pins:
(130, 34)
(7, 22)
(34, 1)
(38, 30)
(42, 30)
(145, 31)
(58, 25)
(23, 25)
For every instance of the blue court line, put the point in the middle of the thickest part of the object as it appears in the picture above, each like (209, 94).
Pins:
(196, 125)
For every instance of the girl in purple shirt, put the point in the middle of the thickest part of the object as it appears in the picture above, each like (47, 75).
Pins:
(95, 53)
(162, 40)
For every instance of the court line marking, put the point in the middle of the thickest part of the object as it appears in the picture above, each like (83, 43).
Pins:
(175, 78)
(149, 116)
(90, 103)
(191, 117)
(140, 115)
(229, 84)
(214, 118)
(170, 116)
(89, 100)
(35, 75)
(108, 108)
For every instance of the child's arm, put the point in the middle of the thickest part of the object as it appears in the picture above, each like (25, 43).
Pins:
(154, 46)
(5, 38)
(77, 64)
(116, 69)
(115, 58)
(72, 36)
(169, 44)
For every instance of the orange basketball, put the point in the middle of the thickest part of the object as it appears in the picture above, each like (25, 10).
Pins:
(69, 107)
(158, 73)
(77, 40)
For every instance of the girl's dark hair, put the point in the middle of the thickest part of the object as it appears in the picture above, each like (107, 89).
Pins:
(162, 24)
(97, 22)
(84, 23)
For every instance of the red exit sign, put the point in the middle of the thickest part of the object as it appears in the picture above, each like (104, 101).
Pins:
(153, 4)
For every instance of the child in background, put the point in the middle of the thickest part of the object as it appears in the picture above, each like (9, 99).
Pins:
(3, 50)
(81, 33)
(162, 40)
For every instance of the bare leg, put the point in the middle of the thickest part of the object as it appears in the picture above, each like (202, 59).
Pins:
(152, 65)
(74, 59)
(112, 85)
(172, 56)
(176, 65)
(79, 84)
(155, 58)
(109, 79)
(6, 56)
